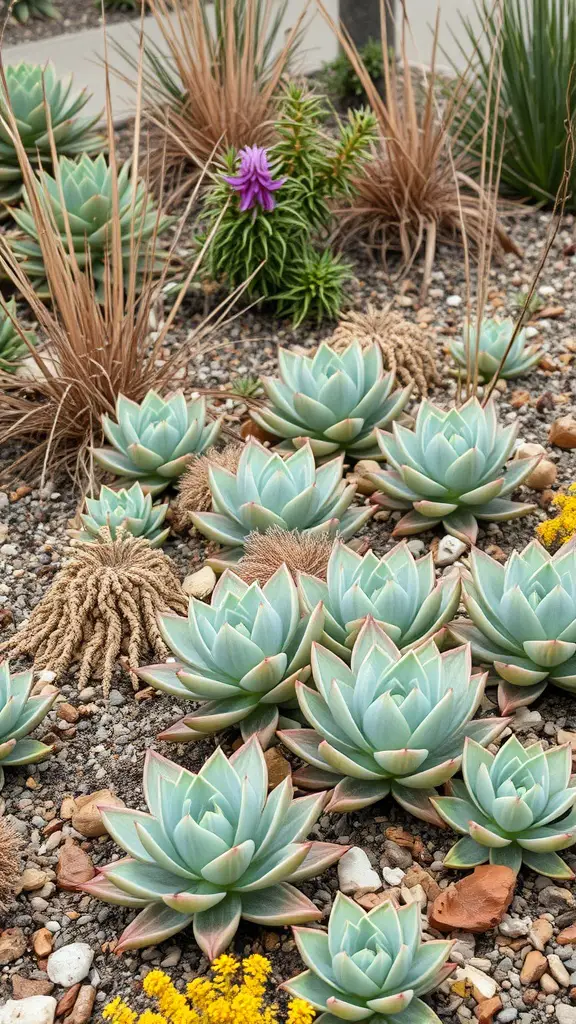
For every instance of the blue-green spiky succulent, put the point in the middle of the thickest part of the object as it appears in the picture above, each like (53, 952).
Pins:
(523, 619)
(388, 723)
(370, 966)
(215, 847)
(154, 440)
(13, 348)
(489, 347)
(449, 470)
(267, 490)
(20, 713)
(333, 400)
(131, 509)
(513, 807)
(239, 656)
(399, 591)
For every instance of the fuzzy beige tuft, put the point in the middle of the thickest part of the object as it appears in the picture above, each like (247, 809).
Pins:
(103, 603)
(264, 553)
(10, 845)
(405, 349)
(194, 486)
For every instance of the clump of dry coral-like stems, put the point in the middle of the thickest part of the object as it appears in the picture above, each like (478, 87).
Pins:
(264, 553)
(414, 192)
(194, 485)
(405, 349)
(103, 603)
(10, 844)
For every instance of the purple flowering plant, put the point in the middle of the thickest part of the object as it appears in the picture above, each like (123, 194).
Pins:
(253, 182)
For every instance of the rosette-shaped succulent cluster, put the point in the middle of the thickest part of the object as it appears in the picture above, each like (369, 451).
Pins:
(40, 100)
(370, 966)
(388, 723)
(215, 847)
(333, 399)
(23, 10)
(154, 440)
(513, 807)
(523, 619)
(449, 470)
(267, 490)
(489, 346)
(20, 713)
(240, 656)
(399, 591)
(12, 346)
(130, 508)
(84, 201)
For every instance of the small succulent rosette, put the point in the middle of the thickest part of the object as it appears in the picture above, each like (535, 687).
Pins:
(20, 713)
(486, 348)
(129, 509)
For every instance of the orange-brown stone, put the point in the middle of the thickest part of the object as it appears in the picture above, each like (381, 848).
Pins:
(477, 902)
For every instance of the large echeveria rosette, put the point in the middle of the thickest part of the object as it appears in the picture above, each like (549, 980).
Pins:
(267, 490)
(523, 619)
(370, 966)
(388, 723)
(333, 400)
(239, 657)
(449, 470)
(214, 848)
(513, 807)
(399, 591)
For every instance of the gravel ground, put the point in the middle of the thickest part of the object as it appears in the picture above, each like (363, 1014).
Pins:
(103, 746)
(75, 16)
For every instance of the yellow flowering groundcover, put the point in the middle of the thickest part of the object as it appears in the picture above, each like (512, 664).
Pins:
(235, 994)
(563, 526)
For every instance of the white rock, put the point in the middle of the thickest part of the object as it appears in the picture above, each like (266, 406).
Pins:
(200, 583)
(449, 549)
(393, 876)
(355, 873)
(514, 927)
(558, 970)
(565, 1014)
(525, 719)
(70, 964)
(483, 986)
(31, 1010)
(531, 332)
(454, 300)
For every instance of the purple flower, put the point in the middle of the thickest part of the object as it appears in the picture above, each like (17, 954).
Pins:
(254, 182)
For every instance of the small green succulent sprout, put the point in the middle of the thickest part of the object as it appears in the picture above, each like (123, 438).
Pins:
(523, 620)
(267, 490)
(389, 723)
(490, 346)
(13, 348)
(513, 807)
(370, 966)
(449, 470)
(154, 440)
(239, 656)
(334, 400)
(20, 713)
(399, 591)
(131, 509)
(23, 10)
(214, 848)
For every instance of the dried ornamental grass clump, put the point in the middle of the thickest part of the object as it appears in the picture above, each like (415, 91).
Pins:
(235, 994)
(194, 485)
(10, 845)
(562, 527)
(264, 553)
(104, 603)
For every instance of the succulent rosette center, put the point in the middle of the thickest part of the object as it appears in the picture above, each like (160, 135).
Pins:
(488, 346)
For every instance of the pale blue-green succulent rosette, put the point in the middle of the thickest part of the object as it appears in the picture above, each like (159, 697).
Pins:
(388, 723)
(523, 620)
(489, 347)
(450, 470)
(215, 847)
(370, 966)
(154, 440)
(131, 509)
(239, 657)
(400, 592)
(333, 400)
(514, 807)
(20, 713)
(267, 490)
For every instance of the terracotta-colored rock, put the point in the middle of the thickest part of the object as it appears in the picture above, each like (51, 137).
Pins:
(12, 944)
(416, 875)
(567, 936)
(477, 902)
(486, 1010)
(68, 999)
(42, 942)
(68, 712)
(369, 900)
(534, 966)
(24, 987)
(87, 819)
(82, 1011)
(563, 432)
(540, 933)
(278, 767)
(74, 867)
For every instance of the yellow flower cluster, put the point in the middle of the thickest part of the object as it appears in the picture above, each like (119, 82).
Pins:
(563, 526)
(234, 994)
